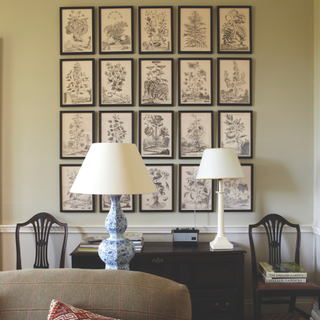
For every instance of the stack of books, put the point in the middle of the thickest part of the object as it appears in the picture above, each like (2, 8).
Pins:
(283, 272)
(315, 315)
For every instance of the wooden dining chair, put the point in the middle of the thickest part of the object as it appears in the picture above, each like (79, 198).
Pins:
(273, 225)
(42, 223)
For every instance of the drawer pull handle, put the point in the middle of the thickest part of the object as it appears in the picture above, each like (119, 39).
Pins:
(227, 305)
(157, 261)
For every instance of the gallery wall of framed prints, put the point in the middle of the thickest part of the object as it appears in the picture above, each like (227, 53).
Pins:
(175, 80)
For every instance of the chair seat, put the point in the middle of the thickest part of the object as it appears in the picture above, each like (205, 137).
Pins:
(283, 316)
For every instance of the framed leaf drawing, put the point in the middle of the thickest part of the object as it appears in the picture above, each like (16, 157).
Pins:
(116, 30)
(195, 133)
(156, 134)
(194, 195)
(238, 193)
(234, 81)
(195, 82)
(77, 30)
(116, 82)
(156, 82)
(162, 200)
(73, 202)
(77, 82)
(234, 29)
(126, 202)
(235, 131)
(76, 133)
(155, 30)
(116, 126)
(195, 29)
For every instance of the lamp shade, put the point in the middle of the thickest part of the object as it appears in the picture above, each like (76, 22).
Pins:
(220, 163)
(113, 169)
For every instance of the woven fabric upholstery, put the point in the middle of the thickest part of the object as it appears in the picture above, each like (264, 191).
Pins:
(283, 316)
(127, 295)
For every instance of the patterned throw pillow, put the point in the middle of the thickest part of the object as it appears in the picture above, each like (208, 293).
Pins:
(62, 311)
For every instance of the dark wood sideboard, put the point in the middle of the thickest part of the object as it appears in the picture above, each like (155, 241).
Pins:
(215, 278)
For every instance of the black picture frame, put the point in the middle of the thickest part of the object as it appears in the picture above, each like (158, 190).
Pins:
(234, 37)
(80, 93)
(77, 133)
(195, 85)
(155, 29)
(116, 34)
(195, 29)
(77, 30)
(116, 82)
(156, 82)
(235, 130)
(127, 203)
(163, 199)
(234, 83)
(195, 133)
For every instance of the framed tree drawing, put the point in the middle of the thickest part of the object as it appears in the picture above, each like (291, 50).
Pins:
(234, 81)
(195, 29)
(194, 195)
(77, 30)
(77, 82)
(156, 82)
(126, 202)
(195, 82)
(156, 134)
(234, 29)
(73, 202)
(162, 200)
(116, 30)
(116, 126)
(195, 133)
(235, 131)
(155, 30)
(116, 82)
(238, 193)
(76, 133)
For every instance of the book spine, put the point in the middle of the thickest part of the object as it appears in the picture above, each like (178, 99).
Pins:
(288, 280)
(267, 271)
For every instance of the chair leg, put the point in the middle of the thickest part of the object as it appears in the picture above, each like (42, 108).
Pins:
(257, 308)
(292, 304)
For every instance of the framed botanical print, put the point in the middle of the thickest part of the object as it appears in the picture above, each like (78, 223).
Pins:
(161, 200)
(195, 29)
(156, 82)
(73, 202)
(195, 82)
(234, 29)
(116, 126)
(238, 193)
(155, 30)
(116, 30)
(195, 133)
(116, 82)
(76, 133)
(235, 131)
(77, 83)
(77, 30)
(194, 195)
(126, 203)
(156, 134)
(234, 81)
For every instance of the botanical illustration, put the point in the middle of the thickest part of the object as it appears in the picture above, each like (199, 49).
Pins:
(116, 82)
(156, 134)
(195, 82)
(156, 82)
(76, 133)
(235, 132)
(194, 194)
(116, 29)
(195, 133)
(73, 201)
(76, 30)
(77, 82)
(162, 200)
(234, 82)
(126, 203)
(155, 29)
(116, 127)
(238, 192)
